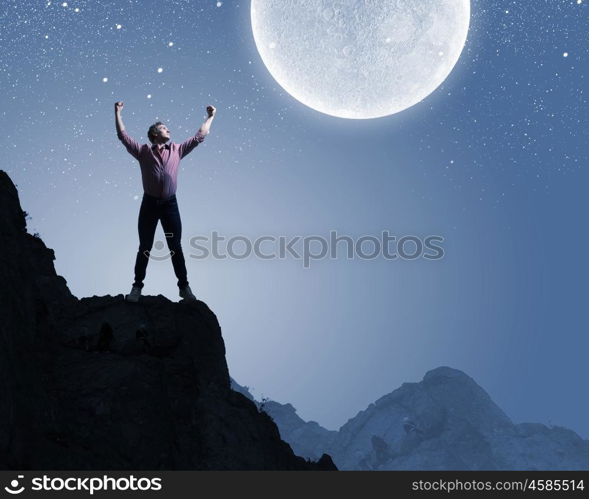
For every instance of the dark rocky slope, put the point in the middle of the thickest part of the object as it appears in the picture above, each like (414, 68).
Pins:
(307, 438)
(99, 383)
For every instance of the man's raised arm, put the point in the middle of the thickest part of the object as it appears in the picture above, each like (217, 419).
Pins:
(131, 145)
(204, 128)
(189, 144)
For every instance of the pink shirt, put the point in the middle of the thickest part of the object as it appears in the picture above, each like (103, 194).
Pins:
(159, 171)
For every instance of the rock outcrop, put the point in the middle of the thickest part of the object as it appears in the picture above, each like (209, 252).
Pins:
(99, 383)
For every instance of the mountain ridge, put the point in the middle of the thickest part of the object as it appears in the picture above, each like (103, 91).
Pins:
(444, 422)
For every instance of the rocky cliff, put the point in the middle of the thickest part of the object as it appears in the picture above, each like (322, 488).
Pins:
(99, 383)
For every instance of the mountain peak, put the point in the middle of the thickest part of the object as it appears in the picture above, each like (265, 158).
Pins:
(445, 422)
(444, 372)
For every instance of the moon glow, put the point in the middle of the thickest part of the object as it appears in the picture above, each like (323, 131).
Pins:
(360, 59)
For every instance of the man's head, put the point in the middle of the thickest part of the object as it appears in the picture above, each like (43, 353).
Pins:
(158, 133)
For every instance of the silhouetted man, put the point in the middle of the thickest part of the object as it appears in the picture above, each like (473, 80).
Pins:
(159, 164)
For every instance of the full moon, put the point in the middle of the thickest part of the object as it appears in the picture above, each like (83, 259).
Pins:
(360, 59)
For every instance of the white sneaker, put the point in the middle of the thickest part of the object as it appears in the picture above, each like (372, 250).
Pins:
(134, 294)
(186, 293)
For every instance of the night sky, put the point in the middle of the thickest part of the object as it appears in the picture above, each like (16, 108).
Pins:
(495, 161)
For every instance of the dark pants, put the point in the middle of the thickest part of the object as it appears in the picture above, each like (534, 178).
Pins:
(154, 209)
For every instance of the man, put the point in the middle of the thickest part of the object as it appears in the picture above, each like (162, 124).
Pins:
(159, 164)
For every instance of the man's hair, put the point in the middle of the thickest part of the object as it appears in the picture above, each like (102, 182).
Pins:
(152, 132)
